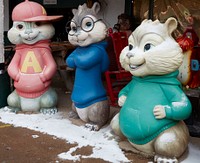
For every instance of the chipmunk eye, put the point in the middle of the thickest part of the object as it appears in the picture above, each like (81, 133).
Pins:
(37, 23)
(148, 46)
(20, 26)
(130, 47)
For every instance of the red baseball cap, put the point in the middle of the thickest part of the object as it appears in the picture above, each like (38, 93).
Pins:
(30, 12)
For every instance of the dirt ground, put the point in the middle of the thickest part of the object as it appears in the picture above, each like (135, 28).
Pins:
(21, 145)
(18, 145)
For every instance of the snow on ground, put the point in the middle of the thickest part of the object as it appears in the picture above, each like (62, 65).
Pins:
(105, 146)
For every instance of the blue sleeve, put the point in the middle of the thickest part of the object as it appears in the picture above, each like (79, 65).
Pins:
(70, 60)
(89, 58)
(106, 62)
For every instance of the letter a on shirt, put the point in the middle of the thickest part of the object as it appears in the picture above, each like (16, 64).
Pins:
(31, 61)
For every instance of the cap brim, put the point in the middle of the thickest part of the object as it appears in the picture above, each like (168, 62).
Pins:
(43, 18)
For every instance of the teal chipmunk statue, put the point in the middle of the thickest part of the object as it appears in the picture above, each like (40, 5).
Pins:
(153, 103)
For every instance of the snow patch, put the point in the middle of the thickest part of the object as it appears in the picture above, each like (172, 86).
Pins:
(168, 137)
(104, 145)
(35, 136)
(180, 103)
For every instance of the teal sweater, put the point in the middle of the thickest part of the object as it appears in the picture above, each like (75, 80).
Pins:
(137, 121)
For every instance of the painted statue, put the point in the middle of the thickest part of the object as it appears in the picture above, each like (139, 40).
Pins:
(189, 71)
(153, 103)
(32, 66)
(88, 32)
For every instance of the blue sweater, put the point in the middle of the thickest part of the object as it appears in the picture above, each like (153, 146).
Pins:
(90, 62)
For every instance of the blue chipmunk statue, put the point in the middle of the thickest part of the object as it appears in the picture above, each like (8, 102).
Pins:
(88, 32)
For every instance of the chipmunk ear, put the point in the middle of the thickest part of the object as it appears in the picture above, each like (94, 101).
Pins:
(74, 11)
(171, 24)
(96, 7)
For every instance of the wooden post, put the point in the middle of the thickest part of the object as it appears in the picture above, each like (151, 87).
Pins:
(1, 32)
(151, 6)
(4, 78)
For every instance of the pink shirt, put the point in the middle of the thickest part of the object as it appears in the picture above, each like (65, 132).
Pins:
(32, 69)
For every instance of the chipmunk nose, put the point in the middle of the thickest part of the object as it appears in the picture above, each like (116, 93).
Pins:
(129, 55)
(28, 31)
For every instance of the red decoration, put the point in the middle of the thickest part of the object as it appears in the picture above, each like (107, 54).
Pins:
(185, 43)
(189, 44)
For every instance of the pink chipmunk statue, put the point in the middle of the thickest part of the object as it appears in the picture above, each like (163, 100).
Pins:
(32, 66)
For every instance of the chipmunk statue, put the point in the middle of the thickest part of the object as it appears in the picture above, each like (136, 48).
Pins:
(87, 31)
(153, 103)
(32, 66)
(189, 73)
